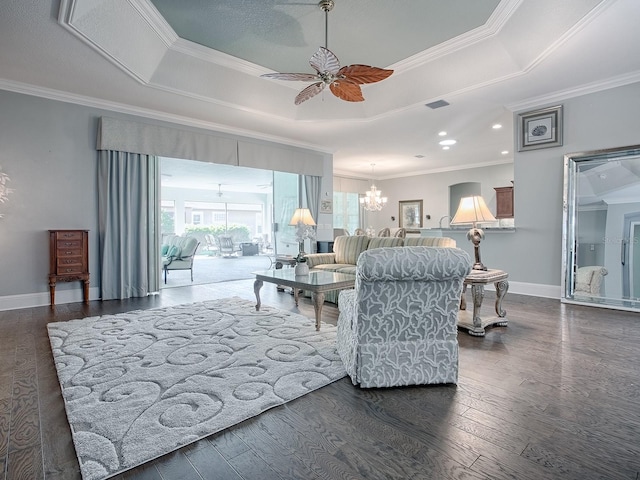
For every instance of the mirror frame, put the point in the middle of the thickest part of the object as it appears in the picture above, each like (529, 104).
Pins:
(572, 161)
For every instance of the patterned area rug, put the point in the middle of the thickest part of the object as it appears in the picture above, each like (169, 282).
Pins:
(141, 384)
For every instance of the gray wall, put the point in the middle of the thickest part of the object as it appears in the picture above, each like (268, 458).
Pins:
(48, 149)
(533, 253)
(601, 120)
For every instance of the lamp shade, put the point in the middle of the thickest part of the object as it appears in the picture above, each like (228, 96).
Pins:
(472, 210)
(302, 215)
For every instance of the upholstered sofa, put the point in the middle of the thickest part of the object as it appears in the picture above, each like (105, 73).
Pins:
(347, 249)
(398, 326)
(178, 253)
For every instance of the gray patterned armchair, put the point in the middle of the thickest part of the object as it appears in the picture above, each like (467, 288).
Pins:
(398, 326)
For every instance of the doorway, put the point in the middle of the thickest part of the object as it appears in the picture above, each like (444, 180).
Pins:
(208, 200)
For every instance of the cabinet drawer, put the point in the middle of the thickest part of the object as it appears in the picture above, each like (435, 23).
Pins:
(66, 269)
(62, 244)
(69, 236)
(65, 261)
(69, 252)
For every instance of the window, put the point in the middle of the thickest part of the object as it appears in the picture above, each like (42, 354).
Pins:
(346, 211)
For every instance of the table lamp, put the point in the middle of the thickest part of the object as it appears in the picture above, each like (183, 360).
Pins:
(474, 210)
(303, 220)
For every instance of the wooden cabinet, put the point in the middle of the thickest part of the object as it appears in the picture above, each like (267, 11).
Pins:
(68, 260)
(504, 202)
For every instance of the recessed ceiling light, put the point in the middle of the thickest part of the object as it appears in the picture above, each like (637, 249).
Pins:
(442, 133)
(505, 152)
(419, 156)
(446, 148)
(497, 126)
(448, 142)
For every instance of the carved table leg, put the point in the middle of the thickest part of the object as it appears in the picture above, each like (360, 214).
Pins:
(477, 293)
(501, 290)
(295, 295)
(85, 284)
(463, 300)
(318, 301)
(257, 285)
(52, 291)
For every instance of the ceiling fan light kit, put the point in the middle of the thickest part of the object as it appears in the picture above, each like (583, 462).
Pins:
(344, 82)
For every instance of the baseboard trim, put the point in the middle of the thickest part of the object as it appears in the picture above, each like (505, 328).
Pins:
(28, 300)
(16, 302)
(531, 289)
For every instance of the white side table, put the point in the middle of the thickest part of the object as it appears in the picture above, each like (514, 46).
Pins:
(473, 322)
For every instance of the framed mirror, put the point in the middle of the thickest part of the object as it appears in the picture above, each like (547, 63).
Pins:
(601, 233)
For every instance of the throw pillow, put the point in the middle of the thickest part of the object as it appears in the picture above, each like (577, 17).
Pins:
(173, 252)
(165, 249)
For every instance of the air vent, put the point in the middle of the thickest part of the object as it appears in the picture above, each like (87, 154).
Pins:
(437, 104)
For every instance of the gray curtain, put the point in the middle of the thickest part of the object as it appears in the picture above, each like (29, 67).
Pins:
(129, 216)
(312, 189)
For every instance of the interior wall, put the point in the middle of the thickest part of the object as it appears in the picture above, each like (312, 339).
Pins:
(601, 120)
(433, 190)
(48, 149)
(460, 190)
(532, 255)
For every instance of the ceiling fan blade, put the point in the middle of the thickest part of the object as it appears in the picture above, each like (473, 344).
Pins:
(324, 60)
(364, 73)
(347, 90)
(305, 77)
(311, 91)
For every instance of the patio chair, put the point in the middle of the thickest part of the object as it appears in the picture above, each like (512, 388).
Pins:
(226, 246)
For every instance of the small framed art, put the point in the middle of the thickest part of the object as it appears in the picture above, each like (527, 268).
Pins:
(540, 128)
(410, 214)
(326, 206)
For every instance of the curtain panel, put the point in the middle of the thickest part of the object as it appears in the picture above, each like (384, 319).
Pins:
(129, 224)
(312, 185)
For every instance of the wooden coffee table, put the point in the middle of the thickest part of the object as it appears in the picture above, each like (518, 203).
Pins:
(317, 282)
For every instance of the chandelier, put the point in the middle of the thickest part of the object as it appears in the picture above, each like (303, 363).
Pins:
(373, 201)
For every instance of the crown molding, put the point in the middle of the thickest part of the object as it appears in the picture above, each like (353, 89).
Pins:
(586, 89)
(494, 24)
(456, 168)
(60, 96)
(216, 57)
(574, 30)
(65, 20)
(156, 21)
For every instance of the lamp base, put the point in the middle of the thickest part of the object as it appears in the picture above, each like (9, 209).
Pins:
(475, 235)
(302, 269)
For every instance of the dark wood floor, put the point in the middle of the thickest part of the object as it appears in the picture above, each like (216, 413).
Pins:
(555, 395)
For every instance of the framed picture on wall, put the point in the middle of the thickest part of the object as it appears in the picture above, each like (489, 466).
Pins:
(410, 214)
(326, 206)
(540, 129)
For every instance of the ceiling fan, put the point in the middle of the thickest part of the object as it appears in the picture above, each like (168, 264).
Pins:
(343, 82)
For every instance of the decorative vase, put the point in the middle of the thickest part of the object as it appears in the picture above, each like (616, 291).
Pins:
(302, 268)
